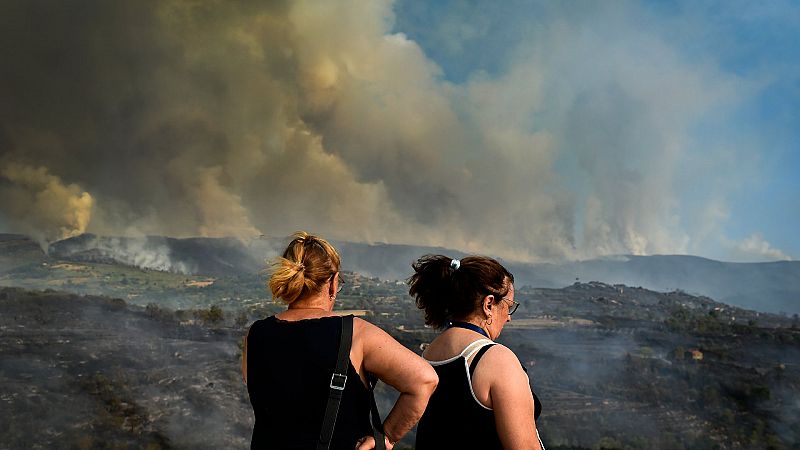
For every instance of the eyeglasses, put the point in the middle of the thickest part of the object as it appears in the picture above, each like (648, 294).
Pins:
(341, 283)
(513, 308)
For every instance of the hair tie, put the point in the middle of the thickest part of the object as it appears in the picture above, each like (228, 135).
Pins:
(301, 266)
(455, 264)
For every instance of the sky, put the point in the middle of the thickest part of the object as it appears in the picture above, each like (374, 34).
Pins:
(532, 131)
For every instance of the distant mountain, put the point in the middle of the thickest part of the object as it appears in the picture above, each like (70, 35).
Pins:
(214, 256)
(18, 250)
(386, 261)
(766, 287)
(217, 256)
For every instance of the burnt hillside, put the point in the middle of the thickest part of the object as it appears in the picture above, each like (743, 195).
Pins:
(92, 372)
(615, 367)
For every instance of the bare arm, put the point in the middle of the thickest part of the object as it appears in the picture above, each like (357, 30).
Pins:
(512, 400)
(402, 369)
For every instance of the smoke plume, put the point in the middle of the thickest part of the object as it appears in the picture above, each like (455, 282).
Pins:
(247, 118)
(41, 204)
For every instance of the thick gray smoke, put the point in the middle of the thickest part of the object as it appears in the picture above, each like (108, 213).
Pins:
(241, 118)
(42, 205)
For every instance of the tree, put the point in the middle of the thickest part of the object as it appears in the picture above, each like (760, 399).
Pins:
(212, 316)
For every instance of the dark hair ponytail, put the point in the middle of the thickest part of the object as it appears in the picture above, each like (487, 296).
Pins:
(448, 290)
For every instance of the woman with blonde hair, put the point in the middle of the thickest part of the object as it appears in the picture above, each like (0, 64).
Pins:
(292, 360)
(484, 399)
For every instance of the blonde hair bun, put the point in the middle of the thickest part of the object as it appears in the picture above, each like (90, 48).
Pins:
(308, 262)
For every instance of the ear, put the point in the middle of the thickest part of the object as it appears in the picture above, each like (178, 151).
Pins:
(331, 287)
(488, 304)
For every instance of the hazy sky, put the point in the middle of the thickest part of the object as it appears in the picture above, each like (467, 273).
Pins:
(529, 130)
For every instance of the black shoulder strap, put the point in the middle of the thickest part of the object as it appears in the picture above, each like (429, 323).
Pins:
(377, 425)
(337, 384)
(477, 358)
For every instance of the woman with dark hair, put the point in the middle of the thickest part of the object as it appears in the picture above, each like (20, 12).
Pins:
(290, 362)
(484, 399)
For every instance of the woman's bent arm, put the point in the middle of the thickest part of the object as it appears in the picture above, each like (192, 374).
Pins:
(511, 400)
(402, 369)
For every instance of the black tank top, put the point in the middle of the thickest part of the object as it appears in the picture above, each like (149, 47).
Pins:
(289, 367)
(454, 418)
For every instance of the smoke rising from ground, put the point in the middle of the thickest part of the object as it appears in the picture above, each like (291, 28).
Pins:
(42, 204)
(241, 119)
(755, 244)
(143, 253)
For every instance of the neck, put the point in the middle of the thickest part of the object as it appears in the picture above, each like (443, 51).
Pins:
(316, 302)
(316, 308)
(479, 322)
(470, 325)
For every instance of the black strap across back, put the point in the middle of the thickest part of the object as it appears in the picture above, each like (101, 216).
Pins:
(338, 381)
(337, 385)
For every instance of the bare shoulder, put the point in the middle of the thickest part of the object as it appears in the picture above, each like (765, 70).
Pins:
(359, 322)
(501, 358)
(501, 353)
(392, 362)
(372, 336)
(362, 326)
